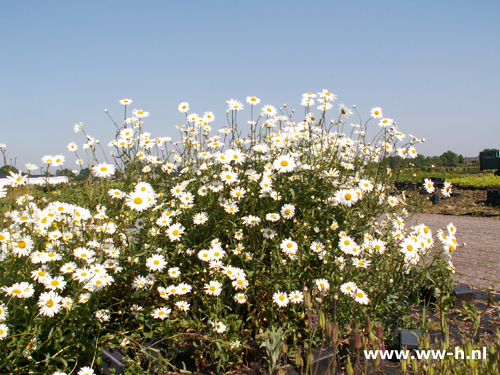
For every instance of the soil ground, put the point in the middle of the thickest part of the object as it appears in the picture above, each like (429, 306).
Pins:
(477, 263)
(478, 226)
(468, 203)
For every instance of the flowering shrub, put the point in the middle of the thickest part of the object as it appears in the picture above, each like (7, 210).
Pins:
(210, 241)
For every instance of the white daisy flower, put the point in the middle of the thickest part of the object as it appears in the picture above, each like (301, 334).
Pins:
(281, 299)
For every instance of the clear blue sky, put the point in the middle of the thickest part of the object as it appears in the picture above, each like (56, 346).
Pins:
(433, 66)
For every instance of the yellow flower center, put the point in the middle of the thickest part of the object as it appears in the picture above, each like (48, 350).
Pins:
(284, 163)
(360, 295)
(54, 283)
(348, 197)
(156, 262)
(50, 303)
(21, 244)
(175, 232)
(138, 200)
(213, 288)
(282, 297)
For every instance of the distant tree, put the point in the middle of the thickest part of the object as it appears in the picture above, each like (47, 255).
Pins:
(435, 160)
(83, 175)
(65, 172)
(420, 161)
(449, 159)
(460, 159)
(4, 171)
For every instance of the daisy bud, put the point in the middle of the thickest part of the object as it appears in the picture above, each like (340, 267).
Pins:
(105, 110)
(322, 319)
(357, 337)
(378, 331)
(354, 106)
(335, 332)
(284, 105)
(368, 324)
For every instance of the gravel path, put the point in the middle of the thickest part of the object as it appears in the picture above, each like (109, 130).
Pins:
(478, 263)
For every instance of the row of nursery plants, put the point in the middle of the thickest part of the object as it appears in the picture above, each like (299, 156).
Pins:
(212, 241)
(478, 180)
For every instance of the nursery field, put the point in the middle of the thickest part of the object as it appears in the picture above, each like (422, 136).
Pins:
(229, 252)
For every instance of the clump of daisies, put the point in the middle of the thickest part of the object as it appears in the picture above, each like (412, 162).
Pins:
(228, 221)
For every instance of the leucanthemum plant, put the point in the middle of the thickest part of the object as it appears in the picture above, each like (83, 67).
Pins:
(214, 237)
